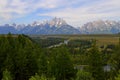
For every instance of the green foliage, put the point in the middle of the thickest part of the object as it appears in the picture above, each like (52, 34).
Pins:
(80, 43)
(18, 56)
(7, 75)
(48, 41)
(80, 59)
(37, 77)
(82, 75)
(23, 58)
(42, 64)
(118, 77)
(96, 63)
(42, 77)
(115, 61)
(3, 52)
(61, 66)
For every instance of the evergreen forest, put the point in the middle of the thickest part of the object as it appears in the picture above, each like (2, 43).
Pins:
(26, 58)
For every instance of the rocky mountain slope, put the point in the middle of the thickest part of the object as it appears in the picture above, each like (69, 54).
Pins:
(101, 27)
(54, 26)
(60, 26)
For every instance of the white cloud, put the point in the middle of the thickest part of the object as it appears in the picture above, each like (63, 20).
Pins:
(75, 12)
(78, 16)
(22, 7)
(9, 8)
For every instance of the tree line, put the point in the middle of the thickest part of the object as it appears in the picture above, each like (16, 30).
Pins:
(22, 59)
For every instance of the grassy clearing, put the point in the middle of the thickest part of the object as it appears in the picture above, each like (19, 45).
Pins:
(104, 39)
(101, 39)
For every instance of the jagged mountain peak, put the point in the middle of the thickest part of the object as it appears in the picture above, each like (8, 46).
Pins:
(20, 26)
(101, 27)
(36, 23)
(57, 22)
(53, 26)
(60, 26)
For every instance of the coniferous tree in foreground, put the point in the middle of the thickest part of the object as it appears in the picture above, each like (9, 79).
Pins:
(17, 56)
(118, 76)
(42, 64)
(42, 77)
(95, 63)
(37, 77)
(83, 75)
(115, 61)
(61, 66)
(3, 52)
(7, 75)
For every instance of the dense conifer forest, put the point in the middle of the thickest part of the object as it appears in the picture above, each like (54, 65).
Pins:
(26, 58)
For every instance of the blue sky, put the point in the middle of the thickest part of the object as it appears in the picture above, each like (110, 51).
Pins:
(75, 12)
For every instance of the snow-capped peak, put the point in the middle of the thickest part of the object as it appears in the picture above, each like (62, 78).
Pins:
(20, 26)
(101, 26)
(36, 23)
(57, 22)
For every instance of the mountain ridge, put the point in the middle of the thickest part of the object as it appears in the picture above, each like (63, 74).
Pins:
(60, 26)
(101, 27)
(54, 26)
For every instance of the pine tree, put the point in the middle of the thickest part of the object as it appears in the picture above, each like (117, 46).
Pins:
(37, 77)
(20, 59)
(25, 63)
(118, 77)
(61, 66)
(42, 77)
(95, 63)
(7, 75)
(4, 48)
(115, 61)
(42, 64)
(82, 75)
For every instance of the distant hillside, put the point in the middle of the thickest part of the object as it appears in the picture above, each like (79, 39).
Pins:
(60, 26)
(54, 26)
(101, 27)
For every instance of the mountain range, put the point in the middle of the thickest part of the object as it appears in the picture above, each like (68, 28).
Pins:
(60, 26)
(54, 26)
(101, 27)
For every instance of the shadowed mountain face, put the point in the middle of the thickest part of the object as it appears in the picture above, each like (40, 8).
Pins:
(54, 26)
(6, 29)
(60, 26)
(101, 27)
